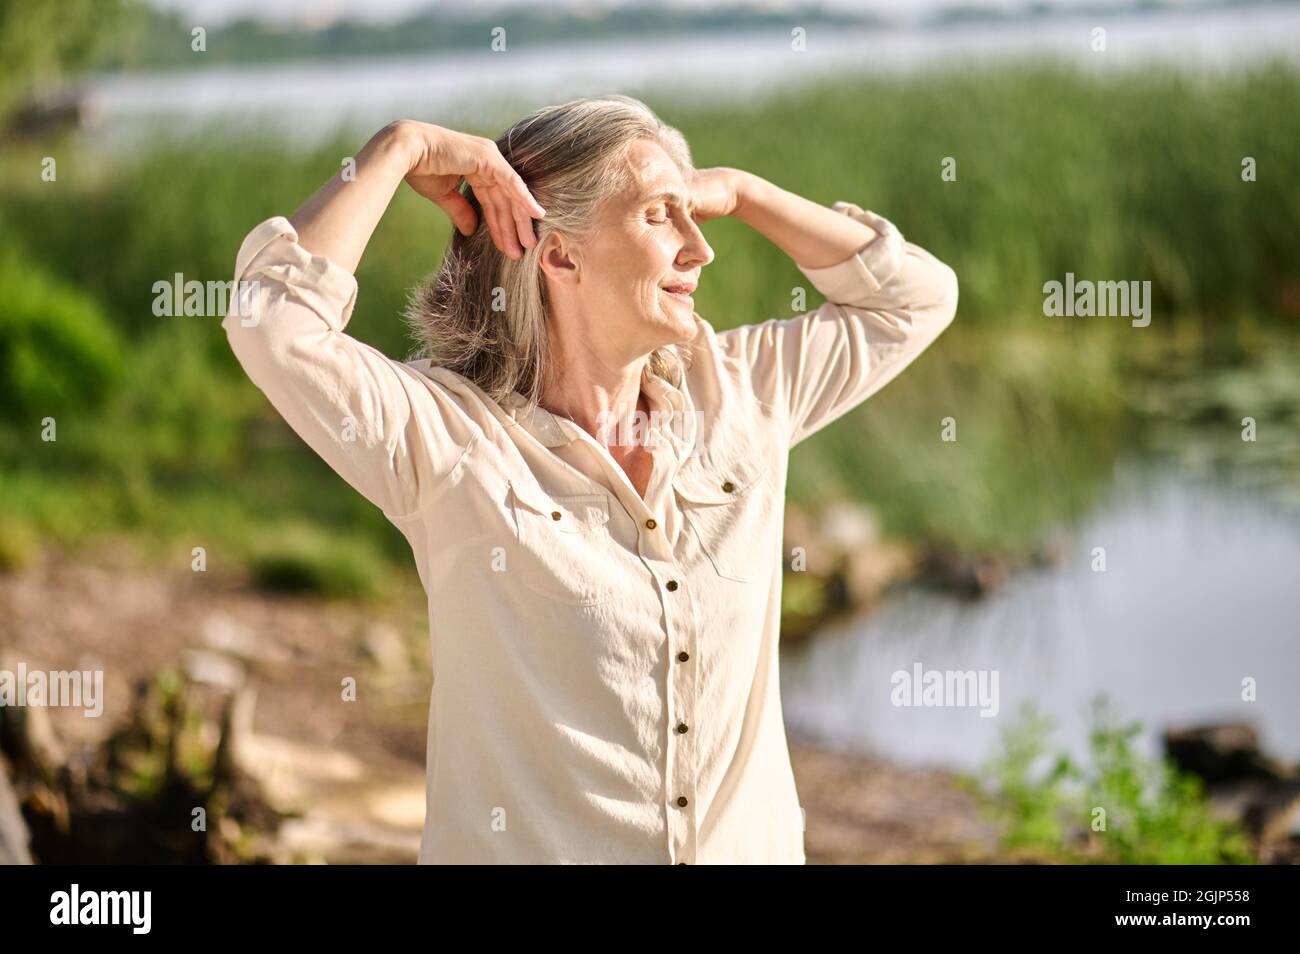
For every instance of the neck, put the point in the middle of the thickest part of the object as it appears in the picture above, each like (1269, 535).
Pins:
(600, 395)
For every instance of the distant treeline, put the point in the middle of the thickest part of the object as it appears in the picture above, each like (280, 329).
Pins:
(162, 39)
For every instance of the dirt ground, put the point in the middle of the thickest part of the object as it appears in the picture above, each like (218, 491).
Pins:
(355, 769)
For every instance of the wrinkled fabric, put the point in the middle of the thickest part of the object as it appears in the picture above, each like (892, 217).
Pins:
(605, 667)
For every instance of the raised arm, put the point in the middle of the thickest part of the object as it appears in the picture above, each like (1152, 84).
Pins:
(887, 300)
(378, 423)
(339, 219)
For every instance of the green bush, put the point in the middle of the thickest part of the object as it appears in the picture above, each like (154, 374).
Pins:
(306, 561)
(1048, 805)
(57, 349)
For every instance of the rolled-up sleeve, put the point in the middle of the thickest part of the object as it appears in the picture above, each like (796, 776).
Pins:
(884, 306)
(375, 421)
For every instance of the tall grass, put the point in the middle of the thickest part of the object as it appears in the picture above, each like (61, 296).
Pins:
(1133, 176)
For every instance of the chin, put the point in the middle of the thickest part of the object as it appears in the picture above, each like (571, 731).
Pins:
(663, 327)
(679, 326)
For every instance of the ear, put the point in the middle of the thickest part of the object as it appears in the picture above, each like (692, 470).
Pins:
(558, 259)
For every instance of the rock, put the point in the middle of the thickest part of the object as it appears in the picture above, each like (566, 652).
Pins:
(1268, 810)
(844, 566)
(1243, 784)
(28, 735)
(315, 839)
(869, 572)
(818, 556)
(213, 669)
(14, 837)
(351, 809)
(384, 645)
(221, 632)
(969, 576)
(848, 527)
(1221, 753)
(232, 756)
(1279, 835)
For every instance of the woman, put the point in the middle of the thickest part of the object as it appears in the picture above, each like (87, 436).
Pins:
(590, 476)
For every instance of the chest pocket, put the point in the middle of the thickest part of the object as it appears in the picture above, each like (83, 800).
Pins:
(729, 507)
(564, 547)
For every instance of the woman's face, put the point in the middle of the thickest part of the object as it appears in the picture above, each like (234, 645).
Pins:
(646, 247)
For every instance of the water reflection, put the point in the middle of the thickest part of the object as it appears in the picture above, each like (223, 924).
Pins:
(1201, 589)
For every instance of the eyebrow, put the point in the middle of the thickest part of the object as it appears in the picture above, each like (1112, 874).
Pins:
(671, 195)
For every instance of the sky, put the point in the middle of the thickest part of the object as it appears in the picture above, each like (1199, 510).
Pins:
(206, 12)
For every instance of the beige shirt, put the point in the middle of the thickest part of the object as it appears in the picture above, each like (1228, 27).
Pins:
(605, 667)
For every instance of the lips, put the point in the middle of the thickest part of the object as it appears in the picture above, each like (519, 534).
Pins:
(681, 291)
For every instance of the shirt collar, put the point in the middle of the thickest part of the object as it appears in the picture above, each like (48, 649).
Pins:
(554, 431)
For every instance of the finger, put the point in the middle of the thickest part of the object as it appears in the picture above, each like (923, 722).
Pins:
(459, 210)
(513, 185)
(503, 233)
(522, 194)
(509, 227)
(490, 216)
(524, 225)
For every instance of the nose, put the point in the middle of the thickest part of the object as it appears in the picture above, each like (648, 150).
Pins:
(696, 251)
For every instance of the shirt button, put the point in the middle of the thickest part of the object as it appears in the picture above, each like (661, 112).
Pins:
(683, 656)
(555, 515)
(728, 486)
(651, 524)
(681, 728)
(672, 586)
(681, 801)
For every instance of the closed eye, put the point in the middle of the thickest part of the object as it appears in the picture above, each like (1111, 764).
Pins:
(661, 212)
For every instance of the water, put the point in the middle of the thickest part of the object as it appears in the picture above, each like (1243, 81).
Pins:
(1201, 589)
(304, 101)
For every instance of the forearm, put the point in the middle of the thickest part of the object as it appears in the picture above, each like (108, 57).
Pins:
(338, 220)
(811, 234)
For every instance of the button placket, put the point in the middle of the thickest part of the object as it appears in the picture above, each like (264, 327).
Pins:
(680, 691)
(682, 698)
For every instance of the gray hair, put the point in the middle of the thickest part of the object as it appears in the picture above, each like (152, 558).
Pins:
(569, 157)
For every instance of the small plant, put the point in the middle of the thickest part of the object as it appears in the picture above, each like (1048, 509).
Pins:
(311, 562)
(19, 544)
(1121, 808)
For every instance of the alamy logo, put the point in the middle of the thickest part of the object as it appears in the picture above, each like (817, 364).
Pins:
(210, 299)
(658, 428)
(946, 688)
(75, 689)
(103, 907)
(1104, 299)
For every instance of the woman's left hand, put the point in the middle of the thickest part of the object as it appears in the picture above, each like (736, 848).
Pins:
(716, 192)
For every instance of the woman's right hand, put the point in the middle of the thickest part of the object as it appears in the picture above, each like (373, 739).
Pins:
(439, 158)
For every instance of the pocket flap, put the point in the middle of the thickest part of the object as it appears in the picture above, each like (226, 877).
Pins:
(703, 483)
(573, 512)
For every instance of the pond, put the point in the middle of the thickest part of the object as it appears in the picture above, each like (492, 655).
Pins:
(1200, 591)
